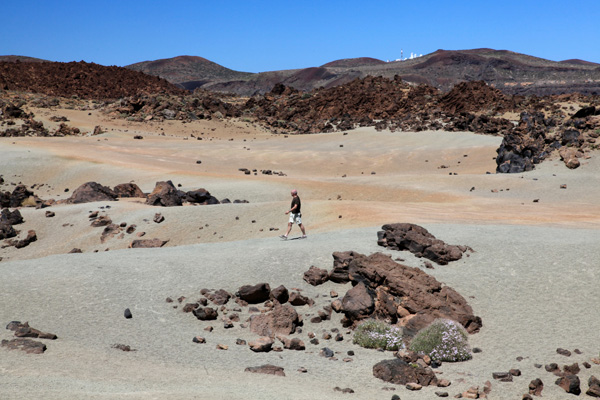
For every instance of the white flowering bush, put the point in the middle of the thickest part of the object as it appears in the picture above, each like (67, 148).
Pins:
(443, 340)
(373, 334)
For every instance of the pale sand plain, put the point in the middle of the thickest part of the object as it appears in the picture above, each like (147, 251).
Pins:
(533, 277)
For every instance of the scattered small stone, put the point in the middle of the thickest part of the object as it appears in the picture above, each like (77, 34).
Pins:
(222, 347)
(326, 352)
(345, 390)
(209, 329)
(266, 369)
(158, 218)
(122, 347)
(587, 365)
(240, 342)
(570, 384)
(515, 372)
(302, 370)
(198, 339)
(563, 352)
(413, 386)
(502, 376)
(50, 214)
(441, 394)
(127, 313)
(476, 350)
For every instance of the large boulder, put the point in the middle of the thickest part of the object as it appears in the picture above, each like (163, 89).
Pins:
(128, 190)
(254, 294)
(11, 217)
(282, 320)
(164, 194)
(401, 373)
(200, 196)
(417, 240)
(385, 289)
(92, 191)
(7, 231)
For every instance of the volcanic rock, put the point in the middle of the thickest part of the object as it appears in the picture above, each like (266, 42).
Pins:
(27, 345)
(164, 194)
(296, 299)
(24, 330)
(219, 297)
(316, 276)
(419, 241)
(570, 384)
(147, 243)
(11, 217)
(400, 372)
(594, 387)
(261, 345)
(128, 190)
(395, 285)
(91, 191)
(536, 386)
(266, 369)
(206, 313)
(30, 238)
(7, 231)
(200, 196)
(282, 320)
(280, 293)
(254, 294)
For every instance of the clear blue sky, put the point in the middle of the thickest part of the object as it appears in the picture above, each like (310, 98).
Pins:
(255, 36)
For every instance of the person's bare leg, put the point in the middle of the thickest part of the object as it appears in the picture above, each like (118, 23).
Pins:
(302, 229)
(289, 229)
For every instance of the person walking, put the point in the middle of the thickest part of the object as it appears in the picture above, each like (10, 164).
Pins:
(295, 212)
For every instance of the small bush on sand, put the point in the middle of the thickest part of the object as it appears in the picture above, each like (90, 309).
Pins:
(443, 340)
(373, 334)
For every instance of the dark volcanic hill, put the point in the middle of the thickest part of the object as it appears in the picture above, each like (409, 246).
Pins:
(11, 58)
(511, 72)
(85, 80)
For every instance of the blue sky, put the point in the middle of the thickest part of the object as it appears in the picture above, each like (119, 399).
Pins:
(260, 36)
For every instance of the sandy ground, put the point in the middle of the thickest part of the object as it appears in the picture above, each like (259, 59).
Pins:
(533, 277)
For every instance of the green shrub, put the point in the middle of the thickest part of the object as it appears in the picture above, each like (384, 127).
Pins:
(443, 340)
(373, 334)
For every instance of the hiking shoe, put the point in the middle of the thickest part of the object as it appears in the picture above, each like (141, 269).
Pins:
(303, 237)
(283, 237)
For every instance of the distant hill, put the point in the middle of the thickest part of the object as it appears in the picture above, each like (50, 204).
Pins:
(511, 72)
(190, 70)
(21, 59)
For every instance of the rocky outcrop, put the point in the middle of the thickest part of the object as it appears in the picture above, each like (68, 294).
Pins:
(164, 194)
(200, 196)
(27, 345)
(24, 330)
(282, 320)
(128, 190)
(254, 294)
(417, 240)
(21, 196)
(90, 192)
(147, 243)
(385, 289)
(266, 369)
(401, 373)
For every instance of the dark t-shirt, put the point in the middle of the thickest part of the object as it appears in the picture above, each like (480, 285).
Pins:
(296, 201)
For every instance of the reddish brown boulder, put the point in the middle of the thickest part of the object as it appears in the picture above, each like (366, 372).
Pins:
(219, 297)
(292, 344)
(254, 294)
(570, 384)
(164, 194)
(11, 217)
(400, 372)
(594, 387)
(401, 294)
(358, 303)
(27, 345)
(200, 196)
(7, 231)
(316, 276)
(91, 191)
(281, 294)
(341, 260)
(147, 243)
(30, 238)
(24, 330)
(536, 386)
(296, 299)
(416, 239)
(266, 369)
(128, 190)
(205, 313)
(261, 345)
(102, 220)
(282, 320)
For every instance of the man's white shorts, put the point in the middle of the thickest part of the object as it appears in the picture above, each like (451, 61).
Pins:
(297, 218)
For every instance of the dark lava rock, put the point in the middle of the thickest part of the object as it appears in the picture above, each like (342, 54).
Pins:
(536, 386)
(563, 352)
(158, 218)
(147, 243)
(128, 190)
(27, 345)
(91, 191)
(11, 217)
(281, 294)
(127, 313)
(30, 238)
(266, 369)
(219, 297)
(200, 196)
(24, 330)
(164, 194)
(102, 220)
(254, 294)
(206, 313)
(400, 372)
(594, 387)
(392, 287)
(570, 384)
(316, 276)
(420, 242)
(296, 299)
(7, 231)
